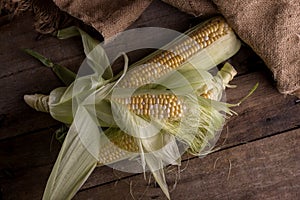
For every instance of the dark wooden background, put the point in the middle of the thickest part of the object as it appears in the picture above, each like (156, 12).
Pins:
(257, 156)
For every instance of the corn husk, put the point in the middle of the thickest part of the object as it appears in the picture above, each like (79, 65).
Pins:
(88, 104)
(63, 73)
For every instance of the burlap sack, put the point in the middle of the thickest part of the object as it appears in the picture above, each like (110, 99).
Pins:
(270, 27)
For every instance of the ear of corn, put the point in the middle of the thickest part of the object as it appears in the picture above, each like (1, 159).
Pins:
(206, 46)
(163, 106)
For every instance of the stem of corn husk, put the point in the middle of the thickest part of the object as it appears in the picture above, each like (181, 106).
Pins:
(39, 102)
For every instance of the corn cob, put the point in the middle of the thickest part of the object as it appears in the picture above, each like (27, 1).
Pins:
(211, 36)
(119, 147)
(151, 105)
(169, 114)
(162, 106)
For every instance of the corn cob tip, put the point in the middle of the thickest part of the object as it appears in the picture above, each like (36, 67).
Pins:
(38, 102)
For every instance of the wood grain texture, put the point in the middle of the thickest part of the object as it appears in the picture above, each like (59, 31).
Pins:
(32, 164)
(13, 60)
(258, 142)
(29, 151)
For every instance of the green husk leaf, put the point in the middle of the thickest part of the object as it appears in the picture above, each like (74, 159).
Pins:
(155, 151)
(77, 159)
(73, 166)
(96, 56)
(63, 73)
(60, 106)
(161, 150)
(61, 101)
(69, 32)
(98, 102)
(159, 175)
(104, 114)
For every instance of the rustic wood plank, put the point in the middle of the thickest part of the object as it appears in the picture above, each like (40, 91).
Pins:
(265, 113)
(30, 183)
(13, 60)
(29, 151)
(15, 116)
(268, 168)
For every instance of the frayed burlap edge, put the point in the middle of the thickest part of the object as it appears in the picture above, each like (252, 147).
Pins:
(14, 7)
(48, 18)
(11, 8)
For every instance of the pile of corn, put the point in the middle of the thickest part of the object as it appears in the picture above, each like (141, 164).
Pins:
(206, 46)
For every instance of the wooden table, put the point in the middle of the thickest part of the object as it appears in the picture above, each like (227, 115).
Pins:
(257, 156)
